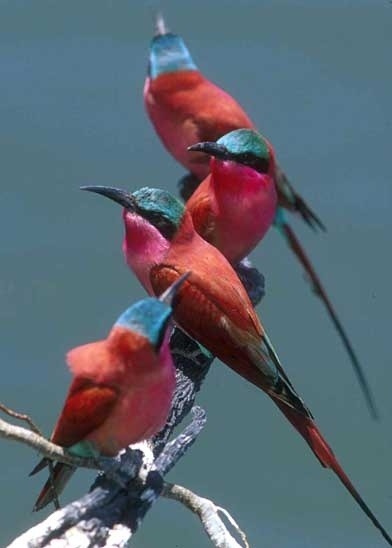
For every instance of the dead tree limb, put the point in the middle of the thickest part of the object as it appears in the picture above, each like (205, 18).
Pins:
(109, 515)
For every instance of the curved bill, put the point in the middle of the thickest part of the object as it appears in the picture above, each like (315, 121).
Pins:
(160, 25)
(118, 195)
(211, 148)
(171, 292)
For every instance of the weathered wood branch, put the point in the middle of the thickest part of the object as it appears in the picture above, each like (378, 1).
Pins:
(109, 515)
(208, 513)
(45, 447)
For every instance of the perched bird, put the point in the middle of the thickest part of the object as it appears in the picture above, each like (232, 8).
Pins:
(185, 108)
(236, 203)
(160, 244)
(121, 390)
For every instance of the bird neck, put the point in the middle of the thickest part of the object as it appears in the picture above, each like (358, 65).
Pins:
(123, 341)
(245, 199)
(231, 180)
(174, 81)
(186, 232)
(137, 355)
(143, 247)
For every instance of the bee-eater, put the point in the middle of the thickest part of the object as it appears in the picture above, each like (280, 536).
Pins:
(236, 203)
(186, 108)
(160, 244)
(121, 389)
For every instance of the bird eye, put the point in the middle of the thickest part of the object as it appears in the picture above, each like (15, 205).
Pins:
(259, 164)
(165, 225)
(247, 157)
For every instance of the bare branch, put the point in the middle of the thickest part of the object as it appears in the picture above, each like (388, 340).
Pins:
(109, 515)
(21, 417)
(42, 445)
(208, 514)
(177, 448)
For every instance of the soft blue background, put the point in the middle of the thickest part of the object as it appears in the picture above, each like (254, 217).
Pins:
(317, 78)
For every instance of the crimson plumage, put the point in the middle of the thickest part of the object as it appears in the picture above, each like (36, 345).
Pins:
(186, 108)
(121, 389)
(213, 307)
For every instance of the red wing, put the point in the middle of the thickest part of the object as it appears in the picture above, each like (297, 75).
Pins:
(219, 300)
(86, 408)
(190, 96)
(233, 334)
(200, 206)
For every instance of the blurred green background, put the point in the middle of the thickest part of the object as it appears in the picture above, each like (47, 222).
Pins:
(317, 78)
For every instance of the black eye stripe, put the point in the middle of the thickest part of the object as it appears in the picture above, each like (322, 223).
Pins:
(259, 164)
(165, 226)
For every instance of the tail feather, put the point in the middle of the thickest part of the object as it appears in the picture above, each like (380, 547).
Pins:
(283, 389)
(309, 431)
(288, 397)
(43, 463)
(54, 486)
(299, 252)
(309, 216)
(289, 199)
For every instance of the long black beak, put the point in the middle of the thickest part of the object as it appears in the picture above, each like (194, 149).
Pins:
(122, 197)
(211, 148)
(171, 292)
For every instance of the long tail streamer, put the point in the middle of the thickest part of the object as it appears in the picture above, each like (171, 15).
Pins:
(299, 252)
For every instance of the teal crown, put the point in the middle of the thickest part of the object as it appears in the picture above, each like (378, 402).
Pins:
(160, 208)
(149, 318)
(168, 53)
(242, 141)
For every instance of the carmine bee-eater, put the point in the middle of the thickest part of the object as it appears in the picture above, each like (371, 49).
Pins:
(121, 390)
(160, 244)
(236, 203)
(187, 109)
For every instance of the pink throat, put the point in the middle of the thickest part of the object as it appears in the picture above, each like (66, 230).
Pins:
(246, 200)
(143, 247)
(239, 178)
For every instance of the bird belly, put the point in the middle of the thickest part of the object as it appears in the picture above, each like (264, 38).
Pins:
(139, 414)
(241, 224)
